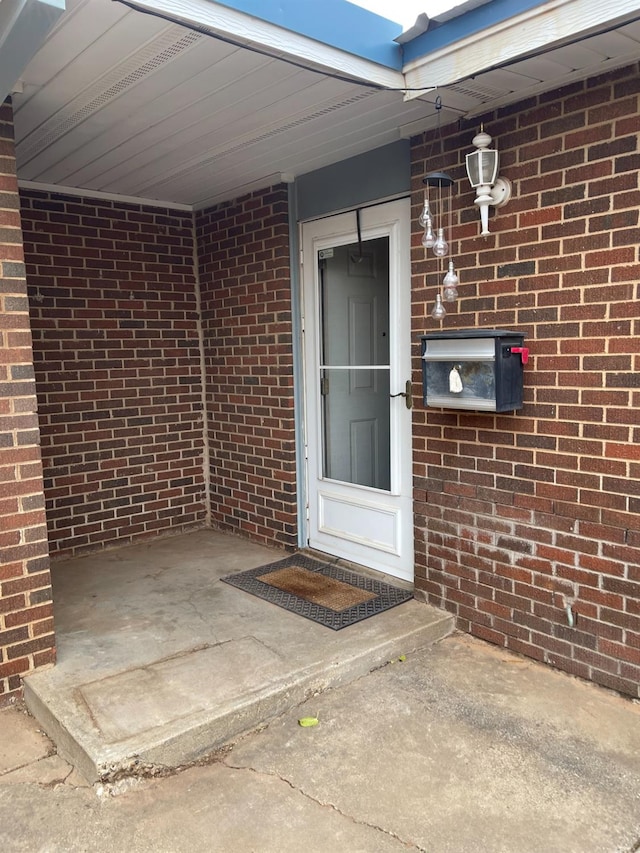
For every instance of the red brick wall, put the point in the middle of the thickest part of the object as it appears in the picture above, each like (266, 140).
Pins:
(116, 346)
(243, 248)
(513, 511)
(26, 623)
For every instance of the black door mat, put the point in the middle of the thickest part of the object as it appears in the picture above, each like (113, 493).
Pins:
(322, 592)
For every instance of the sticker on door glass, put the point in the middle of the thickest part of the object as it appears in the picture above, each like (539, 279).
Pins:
(324, 253)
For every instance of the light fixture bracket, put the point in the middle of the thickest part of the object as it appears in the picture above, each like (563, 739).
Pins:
(501, 192)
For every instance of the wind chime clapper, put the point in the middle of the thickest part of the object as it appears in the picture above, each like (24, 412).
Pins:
(437, 207)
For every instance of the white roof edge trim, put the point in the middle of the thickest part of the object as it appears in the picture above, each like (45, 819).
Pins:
(244, 28)
(535, 29)
(80, 192)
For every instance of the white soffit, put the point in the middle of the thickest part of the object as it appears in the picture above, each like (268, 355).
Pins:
(128, 104)
(253, 32)
(534, 32)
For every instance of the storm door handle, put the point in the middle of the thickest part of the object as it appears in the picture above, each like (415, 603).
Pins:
(408, 396)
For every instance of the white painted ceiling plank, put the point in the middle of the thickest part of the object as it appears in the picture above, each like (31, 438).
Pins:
(632, 30)
(323, 157)
(216, 125)
(99, 58)
(91, 150)
(302, 143)
(548, 85)
(209, 124)
(539, 67)
(510, 80)
(64, 43)
(237, 146)
(578, 56)
(232, 177)
(181, 121)
(239, 186)
(470, 93)
(194, 174)
(616, 43)
(377, 118)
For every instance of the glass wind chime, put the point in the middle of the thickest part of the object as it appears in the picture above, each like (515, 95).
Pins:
(437, 210)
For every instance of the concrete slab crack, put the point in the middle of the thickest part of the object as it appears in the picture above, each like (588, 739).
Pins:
(195, 606)
(51, 751)
(409, 845)
(54, 783)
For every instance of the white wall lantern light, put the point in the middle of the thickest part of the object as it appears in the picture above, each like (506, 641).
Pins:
(482, 171)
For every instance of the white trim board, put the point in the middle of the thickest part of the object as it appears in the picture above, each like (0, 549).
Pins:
(88, 193)
(541, 28)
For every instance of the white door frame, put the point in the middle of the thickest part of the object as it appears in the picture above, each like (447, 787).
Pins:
(368, 526)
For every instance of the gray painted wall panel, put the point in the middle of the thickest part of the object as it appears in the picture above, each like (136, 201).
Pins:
(381, 173)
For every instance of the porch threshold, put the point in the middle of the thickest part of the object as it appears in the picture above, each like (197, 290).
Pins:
(160, 663)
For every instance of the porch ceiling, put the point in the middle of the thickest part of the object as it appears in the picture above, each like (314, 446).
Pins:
(125, 103)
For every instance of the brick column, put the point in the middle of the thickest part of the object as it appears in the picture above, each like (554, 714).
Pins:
(26, 621)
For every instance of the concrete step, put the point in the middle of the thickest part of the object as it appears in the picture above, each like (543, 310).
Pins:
(175, 710)
(160, 662)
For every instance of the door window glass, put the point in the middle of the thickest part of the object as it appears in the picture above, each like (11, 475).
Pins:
(354, 368)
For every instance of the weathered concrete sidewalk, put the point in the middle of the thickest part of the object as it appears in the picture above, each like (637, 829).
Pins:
(462, 747)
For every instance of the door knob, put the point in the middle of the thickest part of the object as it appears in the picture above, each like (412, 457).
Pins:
(408, 396)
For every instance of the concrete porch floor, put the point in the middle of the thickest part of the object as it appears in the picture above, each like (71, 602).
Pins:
(159, 662)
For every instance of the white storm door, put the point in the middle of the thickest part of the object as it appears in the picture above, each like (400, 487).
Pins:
(357, 320)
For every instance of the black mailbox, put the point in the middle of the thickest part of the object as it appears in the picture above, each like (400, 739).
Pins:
(476, 369)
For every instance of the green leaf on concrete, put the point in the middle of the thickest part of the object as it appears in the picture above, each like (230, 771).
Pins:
(307, 722)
